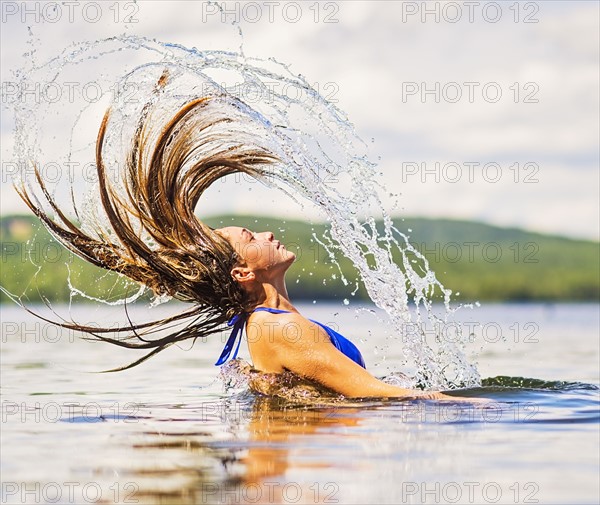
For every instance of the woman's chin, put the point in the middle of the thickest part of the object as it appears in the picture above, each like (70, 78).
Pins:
(289, 257)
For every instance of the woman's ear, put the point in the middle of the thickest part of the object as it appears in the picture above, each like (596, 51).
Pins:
(243, 274)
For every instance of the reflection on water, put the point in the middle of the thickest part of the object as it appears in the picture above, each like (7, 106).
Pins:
(262, 442)
(167, 432)
(251, 467)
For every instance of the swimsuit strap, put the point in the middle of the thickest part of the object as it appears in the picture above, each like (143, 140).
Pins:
(239, 321)
(340, 342)
(272, 311)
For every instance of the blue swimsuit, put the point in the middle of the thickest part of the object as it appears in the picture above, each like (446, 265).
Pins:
(238, 322)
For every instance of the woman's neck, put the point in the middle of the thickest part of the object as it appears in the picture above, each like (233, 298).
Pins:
(274, 294)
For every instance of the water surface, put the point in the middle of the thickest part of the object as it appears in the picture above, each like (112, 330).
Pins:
(167, 432)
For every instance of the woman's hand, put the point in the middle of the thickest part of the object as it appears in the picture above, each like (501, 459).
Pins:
(435, 395)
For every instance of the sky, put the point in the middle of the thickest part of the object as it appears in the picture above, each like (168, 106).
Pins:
(485, 111)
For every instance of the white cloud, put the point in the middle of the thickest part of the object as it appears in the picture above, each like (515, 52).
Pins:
(367, 55)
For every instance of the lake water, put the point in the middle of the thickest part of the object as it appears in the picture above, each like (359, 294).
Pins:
(167, 432)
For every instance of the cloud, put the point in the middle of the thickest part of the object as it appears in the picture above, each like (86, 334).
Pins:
(364, 54)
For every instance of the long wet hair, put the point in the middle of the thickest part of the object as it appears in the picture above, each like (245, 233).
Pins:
(165, 174)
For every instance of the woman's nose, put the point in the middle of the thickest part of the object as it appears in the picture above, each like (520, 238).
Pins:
(267, 235)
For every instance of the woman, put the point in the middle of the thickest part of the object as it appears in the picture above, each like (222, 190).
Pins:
(280, 339)
(231, 274)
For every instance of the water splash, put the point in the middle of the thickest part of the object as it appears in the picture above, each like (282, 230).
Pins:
(237, 374)
(325, 163)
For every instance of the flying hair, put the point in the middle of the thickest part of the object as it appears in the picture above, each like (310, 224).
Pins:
(154, 238)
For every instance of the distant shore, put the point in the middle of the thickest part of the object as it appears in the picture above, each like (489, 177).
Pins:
(475, 260)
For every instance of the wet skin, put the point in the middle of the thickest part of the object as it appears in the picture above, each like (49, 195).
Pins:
(289, 341)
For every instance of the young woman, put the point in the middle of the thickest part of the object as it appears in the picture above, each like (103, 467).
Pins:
(234, 275)
(280, 339)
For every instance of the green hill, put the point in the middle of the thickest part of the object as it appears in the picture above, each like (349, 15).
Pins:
(479, 261)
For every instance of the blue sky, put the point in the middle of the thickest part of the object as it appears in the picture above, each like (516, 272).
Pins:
(477, 111)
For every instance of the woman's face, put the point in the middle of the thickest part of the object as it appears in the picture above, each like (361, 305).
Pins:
(259, 251)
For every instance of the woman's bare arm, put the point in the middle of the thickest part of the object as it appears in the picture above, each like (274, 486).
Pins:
(305, 349)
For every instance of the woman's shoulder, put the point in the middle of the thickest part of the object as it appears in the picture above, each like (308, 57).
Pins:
(290, 327)
(277, 318)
